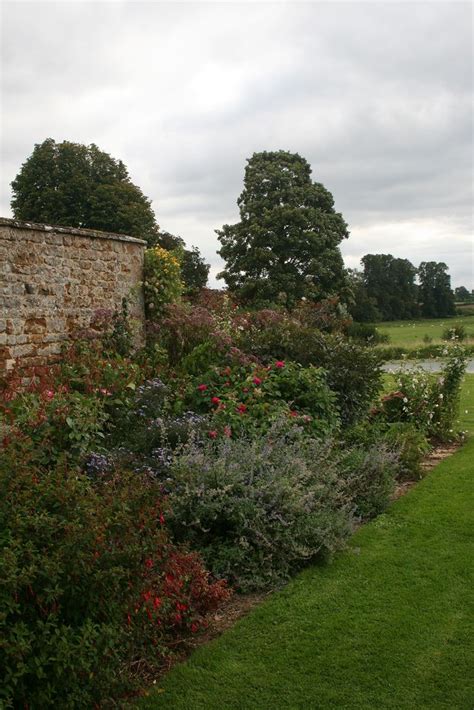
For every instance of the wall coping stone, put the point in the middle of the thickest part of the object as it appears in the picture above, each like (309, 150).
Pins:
(91, 233)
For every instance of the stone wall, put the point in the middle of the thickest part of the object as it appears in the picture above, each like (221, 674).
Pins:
(52, 280)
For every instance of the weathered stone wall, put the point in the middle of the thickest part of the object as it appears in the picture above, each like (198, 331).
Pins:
(52, 280)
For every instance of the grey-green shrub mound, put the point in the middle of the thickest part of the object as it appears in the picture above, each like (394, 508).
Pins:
(259, 510)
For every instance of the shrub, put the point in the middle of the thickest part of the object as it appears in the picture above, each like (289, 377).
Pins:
(151, 425)
(259, 509)
(366, 334)
(162, 280)
(353, 374)
(58, 422)
(369, 474)
(428, 401)
(89, 583)
(410, 445)
(455, 332)
(246, 400)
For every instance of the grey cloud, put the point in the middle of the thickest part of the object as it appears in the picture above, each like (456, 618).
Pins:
(377, 96)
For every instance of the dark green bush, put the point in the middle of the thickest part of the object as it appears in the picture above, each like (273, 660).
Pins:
(89, 582)
(369, 474)
(411, 446)
(366, 334)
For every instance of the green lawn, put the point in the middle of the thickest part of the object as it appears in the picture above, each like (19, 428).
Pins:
(410, 334)
(389, 624)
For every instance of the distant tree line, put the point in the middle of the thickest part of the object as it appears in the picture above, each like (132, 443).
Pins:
(386, 289)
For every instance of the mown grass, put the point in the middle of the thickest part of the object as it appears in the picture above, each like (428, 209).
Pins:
(410, 334)
(388, 624)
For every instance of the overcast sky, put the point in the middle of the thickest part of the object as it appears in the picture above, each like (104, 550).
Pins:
(376, 96)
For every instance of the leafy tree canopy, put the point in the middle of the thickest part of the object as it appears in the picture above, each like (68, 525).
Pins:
(436, 296)
(75, 185)
(390, 284)
(462, 294)
(362, 307)
(286, 244)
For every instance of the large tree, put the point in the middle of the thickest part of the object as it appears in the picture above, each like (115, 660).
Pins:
(390, 283)
(286, 244)
(436, 296)
(75, 185)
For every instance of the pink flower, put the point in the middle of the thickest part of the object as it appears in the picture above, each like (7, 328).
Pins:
(280, 363)
(212, 434)
(227, 432)
(241, 408)
(106, 393)
(215, 400)
(49, 394)
(245, 389)
(293, 413)
(202, 388)
(257, 381)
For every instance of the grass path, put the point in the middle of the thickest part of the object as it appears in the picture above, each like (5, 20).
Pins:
(389, 624)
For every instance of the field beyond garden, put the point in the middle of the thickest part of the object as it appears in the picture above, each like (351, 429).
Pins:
(415, 334)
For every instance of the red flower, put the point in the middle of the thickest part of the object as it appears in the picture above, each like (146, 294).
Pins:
(162, 519)
(149, 563)
(257, 381)
(279, 363)
(156, 602)
(215, 400)
(194, 628)
(212, 434)
(202, 388)
(293, 413)
(241, 408)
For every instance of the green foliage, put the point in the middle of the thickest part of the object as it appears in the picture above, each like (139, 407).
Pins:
(89, 583)
(286, 244)
(245, 400)
(58, 422)
(428, 401)
(162, 280)
(370, 475)
(259, 509)
(436, 296)
(462, 294)
(455, 332)
(194, 270)
(362, 307)
(390, 284)
(353, 374)
(367, 334)
(81, 186)
(411, 446)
